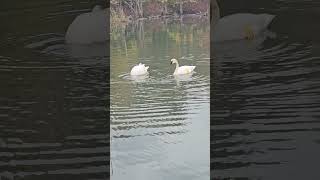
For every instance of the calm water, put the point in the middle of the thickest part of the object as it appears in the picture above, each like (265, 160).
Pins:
(160, 123)
(53, 115)
(265, 94)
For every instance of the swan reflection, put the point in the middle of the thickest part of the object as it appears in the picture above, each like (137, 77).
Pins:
(140, 78)
(183, 78)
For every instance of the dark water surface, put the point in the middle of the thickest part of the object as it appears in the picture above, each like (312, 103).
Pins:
(265, 116)
(53, 96)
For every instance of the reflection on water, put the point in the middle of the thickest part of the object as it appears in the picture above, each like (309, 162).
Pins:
(141, 78)
(183, 78)
(53, 118)
(265, 113)
(160, 122)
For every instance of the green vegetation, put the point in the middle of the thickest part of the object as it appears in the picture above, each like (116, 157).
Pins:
(127, 10)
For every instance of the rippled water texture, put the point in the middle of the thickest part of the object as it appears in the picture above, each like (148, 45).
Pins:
(160, 123)
(265, 94)
(53, 116)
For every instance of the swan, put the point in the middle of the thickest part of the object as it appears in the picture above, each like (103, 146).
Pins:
(238, 26)
(139, 69)
(89, 27)
(140, 79)
(182, 69)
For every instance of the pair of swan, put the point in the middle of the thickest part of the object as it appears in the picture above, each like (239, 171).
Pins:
(141, 69)
(93, 26)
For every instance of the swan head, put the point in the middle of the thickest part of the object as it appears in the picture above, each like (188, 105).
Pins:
(174, 61)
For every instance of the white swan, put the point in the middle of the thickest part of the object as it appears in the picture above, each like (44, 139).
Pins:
(140, 78)
(139, 69)
(182, 69)
(89, 27)
(238, 26)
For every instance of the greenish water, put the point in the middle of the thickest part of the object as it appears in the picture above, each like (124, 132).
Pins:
(160, 123)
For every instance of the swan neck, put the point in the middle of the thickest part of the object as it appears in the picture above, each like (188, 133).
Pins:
(217, 9)
(177, 65)
(215, 12)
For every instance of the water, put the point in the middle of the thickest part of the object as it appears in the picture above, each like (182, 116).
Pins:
(265, 94)
(160, 123)
(53, 115)
(265, 99)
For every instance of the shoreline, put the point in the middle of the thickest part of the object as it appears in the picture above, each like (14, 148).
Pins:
(127, 20)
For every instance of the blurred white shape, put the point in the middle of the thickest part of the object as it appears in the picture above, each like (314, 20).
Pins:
(139, 69)
(182, 69)
(238, 26)
(140, 78)
(89, 27)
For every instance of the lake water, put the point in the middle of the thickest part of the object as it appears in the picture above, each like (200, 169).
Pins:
(53, 96)
(265, 95)
(160, 123)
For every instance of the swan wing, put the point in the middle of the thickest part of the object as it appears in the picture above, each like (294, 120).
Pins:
(192, 68)
(143, 66)
(139, 69)
(185, 69)
(236, 26)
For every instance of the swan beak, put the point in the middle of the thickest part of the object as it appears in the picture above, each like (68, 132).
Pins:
(171, 62)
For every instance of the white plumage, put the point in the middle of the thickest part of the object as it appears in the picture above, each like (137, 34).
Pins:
(139, 69)
(89, 27)
(182, 69)
(238, 26)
